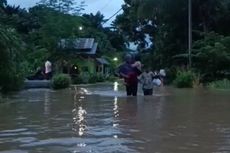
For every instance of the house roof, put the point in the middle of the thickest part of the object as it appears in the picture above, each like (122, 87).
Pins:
(102, 61)
(79, 45)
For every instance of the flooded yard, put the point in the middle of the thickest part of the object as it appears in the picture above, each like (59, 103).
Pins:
(101, 119)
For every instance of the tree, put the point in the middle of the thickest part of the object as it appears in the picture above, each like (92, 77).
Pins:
(95, 20)
(54, 26)
(11, 75)
(134, 25)
(168, 30)
(64, 6)
(110, 39)
(18, 18)
(3, 3)
(212, 56)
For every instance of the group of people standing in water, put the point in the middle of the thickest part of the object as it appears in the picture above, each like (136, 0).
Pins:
(133, 72)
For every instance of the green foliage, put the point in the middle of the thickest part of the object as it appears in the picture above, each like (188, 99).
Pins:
(94, 78)
(54, 26)
(169, 30)
(61, 81)
(64, 6)
(77, 80)
(95, 20)
(11, 75)
(29, 37)
(220, 84)
(184, 79)
(111, 78)
(212, 56)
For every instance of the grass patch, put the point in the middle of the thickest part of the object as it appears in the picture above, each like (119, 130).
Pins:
(219, 84)
(184, 79)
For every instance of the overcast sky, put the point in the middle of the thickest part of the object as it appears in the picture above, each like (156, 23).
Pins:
(106, 7)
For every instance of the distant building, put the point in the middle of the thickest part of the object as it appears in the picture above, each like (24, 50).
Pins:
(84, 58)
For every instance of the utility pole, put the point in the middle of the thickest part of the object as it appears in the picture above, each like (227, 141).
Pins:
(189, 32)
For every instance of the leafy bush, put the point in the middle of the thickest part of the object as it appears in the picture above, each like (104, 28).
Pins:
(184, 79)
(85, 77)
(77, 80)
(220, 84)
(61, 81)
(100, 78)
(211, 56)
(111, 78)
(93, 79)
(12, 81)
(11, 73)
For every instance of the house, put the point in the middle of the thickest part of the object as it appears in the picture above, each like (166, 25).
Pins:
(83, 53)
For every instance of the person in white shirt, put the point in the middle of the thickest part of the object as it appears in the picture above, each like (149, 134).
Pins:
(162, 75)
(146, 79)
(48, 70)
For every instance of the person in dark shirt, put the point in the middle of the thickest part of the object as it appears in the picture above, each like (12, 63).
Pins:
(130, 74)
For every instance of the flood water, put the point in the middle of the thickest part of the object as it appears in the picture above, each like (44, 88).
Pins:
(100, 119)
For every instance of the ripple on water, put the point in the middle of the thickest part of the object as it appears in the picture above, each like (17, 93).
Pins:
(113, 124)
(100, 145)
(14, 151)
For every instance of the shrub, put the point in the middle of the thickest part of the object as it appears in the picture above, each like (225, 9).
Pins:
(111, 78)
(11, 80)
(100, 78)
(61, 81)
(96, 78)
(220, 84)
(93, 79)
(85, 76)
(77, 80)
(184, 79)
(11, 74)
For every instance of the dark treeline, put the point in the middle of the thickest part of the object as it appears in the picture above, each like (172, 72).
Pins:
(166, 23)
(29, 37)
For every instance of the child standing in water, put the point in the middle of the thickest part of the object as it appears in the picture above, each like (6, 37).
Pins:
(146, 79)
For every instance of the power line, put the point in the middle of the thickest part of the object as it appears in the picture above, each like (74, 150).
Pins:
(112, 16)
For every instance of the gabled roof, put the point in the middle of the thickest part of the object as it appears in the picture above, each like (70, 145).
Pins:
(79, 45)
(102, 61)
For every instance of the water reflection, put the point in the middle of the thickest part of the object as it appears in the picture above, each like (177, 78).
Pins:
(79, 115)
(116, 115)
(115, 86)
(115, 109)
(47, 103)
(182, 121)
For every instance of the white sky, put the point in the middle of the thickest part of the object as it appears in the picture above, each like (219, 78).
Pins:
(106, 7)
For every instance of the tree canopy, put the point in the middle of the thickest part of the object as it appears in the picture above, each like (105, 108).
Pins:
(166, 23)
(158, 28)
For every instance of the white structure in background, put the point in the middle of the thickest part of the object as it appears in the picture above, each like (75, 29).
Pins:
(162, 72)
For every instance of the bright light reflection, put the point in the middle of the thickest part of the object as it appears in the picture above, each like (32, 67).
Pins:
(115, 111)
(82, 97)
(115, 86)
(47, 103)
(115, 136)
(81, 145)
(115, 108)
(84, 91)
(79, 120)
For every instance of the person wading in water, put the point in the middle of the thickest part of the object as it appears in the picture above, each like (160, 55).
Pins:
(130, 74)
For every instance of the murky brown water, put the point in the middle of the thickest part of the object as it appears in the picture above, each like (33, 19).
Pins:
(70, 121)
